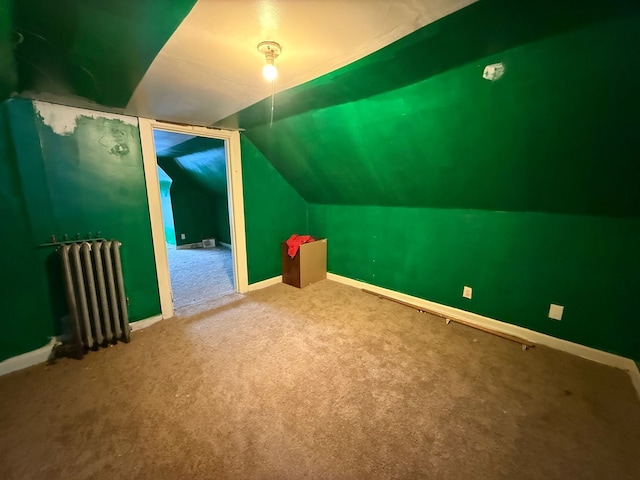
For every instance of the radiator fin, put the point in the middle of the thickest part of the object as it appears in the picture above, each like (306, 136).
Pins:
(96, 298)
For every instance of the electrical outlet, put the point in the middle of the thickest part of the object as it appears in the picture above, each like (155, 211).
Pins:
(556, 311)
(182, 236)
(467, 292)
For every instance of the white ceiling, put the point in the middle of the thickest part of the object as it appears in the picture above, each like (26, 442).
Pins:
(210, 67)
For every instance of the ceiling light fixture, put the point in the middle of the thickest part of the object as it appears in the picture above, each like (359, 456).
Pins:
(271, 51)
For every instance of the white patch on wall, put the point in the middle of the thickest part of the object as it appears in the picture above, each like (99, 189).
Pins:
(63, 120)
(493, 71)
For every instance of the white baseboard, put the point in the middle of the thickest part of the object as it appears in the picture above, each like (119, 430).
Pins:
(41, 355)
(265, 283)
(147, 322)
(188, 246)
(583, 351)
(225, 245)
(28, 359)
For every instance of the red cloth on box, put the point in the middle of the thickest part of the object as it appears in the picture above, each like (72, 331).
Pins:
(295, 241)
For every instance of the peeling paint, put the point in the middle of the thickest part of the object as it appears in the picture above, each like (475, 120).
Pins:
(64, 121)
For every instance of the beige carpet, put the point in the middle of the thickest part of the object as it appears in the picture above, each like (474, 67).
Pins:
(198, 277)
(325, 382)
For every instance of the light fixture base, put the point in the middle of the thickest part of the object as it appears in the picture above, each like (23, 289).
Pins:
(270, 48)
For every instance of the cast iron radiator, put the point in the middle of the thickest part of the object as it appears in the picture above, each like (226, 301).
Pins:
(95, 294)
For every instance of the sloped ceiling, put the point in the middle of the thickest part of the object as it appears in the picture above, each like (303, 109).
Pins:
(87, 52)
(411, 123)
(163, 140)
(201, 160)
(468, 36)
(417, 125)
(196, 62)
(213, 55)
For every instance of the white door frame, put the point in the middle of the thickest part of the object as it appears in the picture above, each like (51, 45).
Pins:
(235, 197)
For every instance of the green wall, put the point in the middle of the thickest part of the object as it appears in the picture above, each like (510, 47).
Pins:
(555, 134)
(524, 188)
(205, 161)
(273, 211)
(223, 226)
(198, 193)
(424, 176)
(25, 321)
(85, 181)
(517, 264)
(194, 213)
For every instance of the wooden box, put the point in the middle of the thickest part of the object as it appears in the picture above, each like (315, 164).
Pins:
(308, 266)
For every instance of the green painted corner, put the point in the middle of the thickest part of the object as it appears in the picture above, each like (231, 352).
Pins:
(273, 211)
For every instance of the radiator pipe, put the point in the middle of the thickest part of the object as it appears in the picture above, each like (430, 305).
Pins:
(96, 248)
(96, 328)
(68, 242)
(82, 296)
(111, 288)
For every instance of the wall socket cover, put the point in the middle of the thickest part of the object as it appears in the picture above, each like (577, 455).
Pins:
(556, 311)
(182, 236)
(467, 292)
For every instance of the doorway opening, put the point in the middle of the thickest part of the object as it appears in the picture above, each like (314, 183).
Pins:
(194, 187)
(192, 174)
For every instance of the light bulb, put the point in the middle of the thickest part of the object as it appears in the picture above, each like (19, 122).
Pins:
(270, 72)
